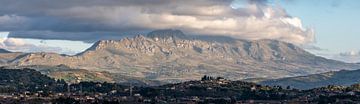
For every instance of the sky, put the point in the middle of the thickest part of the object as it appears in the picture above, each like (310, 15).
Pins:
(324, 27)
(335, 23)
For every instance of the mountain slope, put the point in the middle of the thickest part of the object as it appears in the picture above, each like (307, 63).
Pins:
(4, 51)
(343, 77)
(170, 56)
(7, 56)
(71, 75)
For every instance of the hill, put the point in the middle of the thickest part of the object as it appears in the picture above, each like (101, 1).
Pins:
(70, 75)
(12, 80)
(343, 77)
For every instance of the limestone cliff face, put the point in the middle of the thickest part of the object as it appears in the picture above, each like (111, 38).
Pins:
(168, 55)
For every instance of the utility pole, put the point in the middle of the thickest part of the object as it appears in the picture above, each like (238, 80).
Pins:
(81, 88)
(78, 81)
(131, 89)
(68, 88)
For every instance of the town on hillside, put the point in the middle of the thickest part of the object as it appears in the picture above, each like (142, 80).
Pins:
(30, 86)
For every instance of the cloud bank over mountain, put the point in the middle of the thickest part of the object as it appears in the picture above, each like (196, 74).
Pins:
(21, 45)
(18, 45)
(351, 56)
(71, 20)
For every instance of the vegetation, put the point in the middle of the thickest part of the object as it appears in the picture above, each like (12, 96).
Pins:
(12, 80)
(343, 77)
(36, 87)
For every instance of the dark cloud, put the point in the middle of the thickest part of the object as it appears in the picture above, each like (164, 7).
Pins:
(91, 20)
(88, 37)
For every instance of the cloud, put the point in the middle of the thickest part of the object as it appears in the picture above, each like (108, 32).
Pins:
(12, 22)
(88, 37)
(18, 45)
(313, 48)
(76, 19)
(11, 42)
(351, 56)
(351, 53)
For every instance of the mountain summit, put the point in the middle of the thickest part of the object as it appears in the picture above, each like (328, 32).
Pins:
(164, 55)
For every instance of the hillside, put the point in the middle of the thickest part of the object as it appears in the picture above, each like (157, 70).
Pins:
(12, 80)
(28, 85)
(72, 76)
(171, 56)
(219, 88)
(343, 77)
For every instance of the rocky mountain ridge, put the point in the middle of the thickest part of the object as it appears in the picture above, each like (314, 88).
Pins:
(170, 56)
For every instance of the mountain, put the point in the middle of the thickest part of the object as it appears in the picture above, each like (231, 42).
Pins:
(171, 56)
(4, 51)
(343, 77)
(8, 56)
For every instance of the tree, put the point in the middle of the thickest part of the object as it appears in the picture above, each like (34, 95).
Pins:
(288, 88)
(204, 78)
(219, 78)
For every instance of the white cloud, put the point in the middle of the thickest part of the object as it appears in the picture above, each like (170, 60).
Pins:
(252, 19)
(12, 42)
(4, 34)
(351, 56)
(18, 45)
(273, 24)
(351, 53)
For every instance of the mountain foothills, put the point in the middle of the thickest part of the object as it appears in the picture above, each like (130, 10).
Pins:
(343, 77)
(30, 86)
(167, 56)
